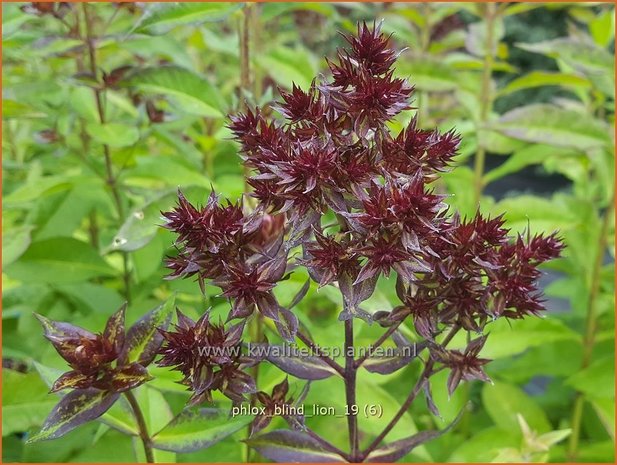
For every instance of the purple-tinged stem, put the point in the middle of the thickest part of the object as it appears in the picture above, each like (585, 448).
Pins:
(426, 373)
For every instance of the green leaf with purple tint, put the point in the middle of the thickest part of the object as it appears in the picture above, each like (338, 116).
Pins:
(292, 446)
(195, 429)
(75, 409)
(143, 339)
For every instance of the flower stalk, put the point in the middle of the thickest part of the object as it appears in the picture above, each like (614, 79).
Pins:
(350, 391)
(590, 328)
(141, 425)
(486, 97)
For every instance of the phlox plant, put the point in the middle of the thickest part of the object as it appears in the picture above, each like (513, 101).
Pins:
(332, 191)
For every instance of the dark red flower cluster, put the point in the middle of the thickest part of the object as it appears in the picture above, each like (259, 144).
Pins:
(209, 356)
(97, 360)
(334, 154)
(240, 253)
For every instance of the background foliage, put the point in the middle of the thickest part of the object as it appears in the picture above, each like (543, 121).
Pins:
(529, 86)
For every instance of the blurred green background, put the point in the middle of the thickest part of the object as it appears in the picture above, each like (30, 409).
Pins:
(529, 86)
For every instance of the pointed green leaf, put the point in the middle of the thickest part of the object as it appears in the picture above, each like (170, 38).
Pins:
(142, 224)
(15, 241)
(580, 55)
(195, 429)
(161, 17)
(543, 78)
(192, 92)
(59, 260)
(286, 66)
(143, 339)
(113, 134)
(504, 402)
(25, 401)
(596, 381)
(552, 125)
(535, 154)
(119, 416)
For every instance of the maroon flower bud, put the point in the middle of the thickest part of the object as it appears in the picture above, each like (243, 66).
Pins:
(416, 151)
(464, 366)
(327, 258)
(275, 404)
(209, 356)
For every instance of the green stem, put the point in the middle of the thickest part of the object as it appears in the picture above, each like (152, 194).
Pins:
(141, 425)
(244, 36)
(486, 99)
(590, 329)
(111, 179)
(425, 41)
(256, 42)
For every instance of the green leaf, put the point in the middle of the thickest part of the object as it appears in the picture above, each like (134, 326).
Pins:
(143, 339)
(119, 416)
(91, 297)
(596, 381)
(37, 187)
(113, 134)
(497, 143)
(192, 92)
(15, 241)
(508, 338)
(291, 446)
(549, 124)
(286, 66)
(448, 405)
(19, 110)
(458, 182)
(483, 446)
(535, 154)
(602, 27)
(168, 170)
(396, 450)
(157, 414)
(195, 429)
(161, 17)
(142, 224)
(59, 260)
(537, 213)
(580, 55)
(605, 409)
(74, 409)
(518, 8)
(543, 78)
(428, 74)
(63, 217)
(25, 401)
(504, 401)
